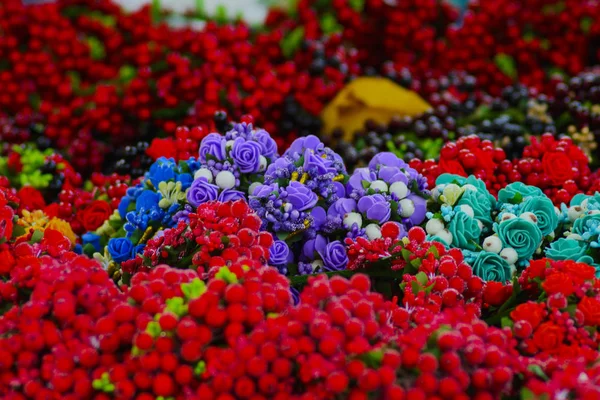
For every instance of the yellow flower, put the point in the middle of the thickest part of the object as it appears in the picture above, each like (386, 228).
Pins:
(366, 98)
(64, 228)
(35, 220)
(451, 194)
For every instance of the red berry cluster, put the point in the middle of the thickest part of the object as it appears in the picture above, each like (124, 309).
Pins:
(50, 344)
(573, 378)
(470, 155)
(181, 348)
(182, 147)
(557, 166)
(329, 345)
(217, 234)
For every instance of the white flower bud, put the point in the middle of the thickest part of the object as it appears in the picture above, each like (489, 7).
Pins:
(435, 193)
(574, 236)
(557, 210)
(262, 163)
(493, 244)
(507, 216)
(480, 224)
(253, 187)
(204, 173)
(225, 180)
(407, 208)
(470, 187)
(352, 218)
(373, 231)
(445, 235)
(434, 226)
(574, 212)
(510, 255)
(467, 209)
(529, 216)
(229, 144)
(584, 204)
(399, 189)
(513, 269)
(379, 185)
(593, 212)
(317, 265)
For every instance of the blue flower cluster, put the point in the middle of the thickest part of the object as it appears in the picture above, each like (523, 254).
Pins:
(156, 203)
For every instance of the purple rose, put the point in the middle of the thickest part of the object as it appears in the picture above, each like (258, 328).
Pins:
(375, 207)
(202, 192)
(334, 256)
(279, 254)
(342, 207)
(319, 217)
(387, 159)
(312, 246)
(231, 195)
(420, 205)
(264, 191)
(339, 189)
(300, 196)
(246, 155)
(355, 183)
(391, 175)
(308, 142)
(268, 145)
(213, 145)
(312, 161)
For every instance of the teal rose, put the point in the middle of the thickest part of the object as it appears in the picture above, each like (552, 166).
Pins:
(578, 199)
(470, 180)
(569, 249)
(521, 235)
(543, 208)
(465, 231)
(491, 267)
(480, 203)
(517, 191)
(586, 225)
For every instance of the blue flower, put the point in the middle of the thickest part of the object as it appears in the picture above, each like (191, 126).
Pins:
(120, 249)
(124, 206)
(163, 170)
(521, 235)
(517, 191)
(569, 249)
(91, 238)
(543, 208)
(147, 200)
(491, 267)
(186, 180)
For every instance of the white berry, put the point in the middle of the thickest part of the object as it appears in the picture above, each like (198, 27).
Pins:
(445, 235)
(253, 187)
(574, 212)
(204, 173)
(352, 218)
(399, 189)
(510, 255)
(373, 231)
(493, 244)
(508, 216)
(229, 144)
(379, 185)
(262, 163)
(470, 187)
(225, 180)
(407, 208)
(433, 226)
(317, 265)
(529, 216)
(467, 210)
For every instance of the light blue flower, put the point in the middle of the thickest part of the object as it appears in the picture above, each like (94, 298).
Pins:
(521, 235)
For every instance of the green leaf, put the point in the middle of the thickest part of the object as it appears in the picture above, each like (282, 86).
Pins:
(433, 250)
(153, 328)
(357, 5)
(422, 278)
(406, 254)
(329, 24)
(35, 101)
(517, 198)
(527, 394)
(127, 73)
(37, 236)
(291, 42)
(416, 288)
(97, 51)
(282, 235)
(155, 11)
(221, 14)
(586, 24)
(177, 306)
(18, 230)
(538, 371)
(200, 8)
(506, 322)
(506, 64)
